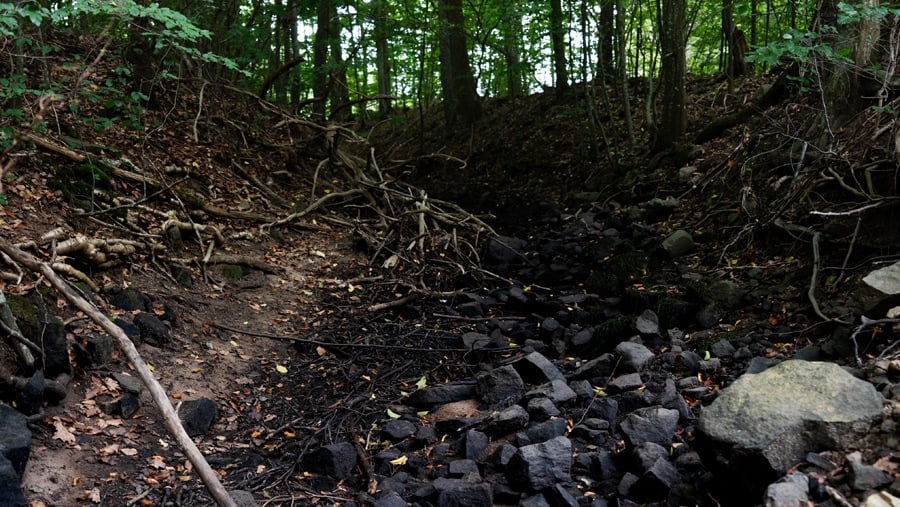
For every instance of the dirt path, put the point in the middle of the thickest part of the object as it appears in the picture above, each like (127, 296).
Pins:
(89, 457)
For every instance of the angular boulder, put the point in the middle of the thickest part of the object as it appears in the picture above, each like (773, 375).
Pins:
(764, 423)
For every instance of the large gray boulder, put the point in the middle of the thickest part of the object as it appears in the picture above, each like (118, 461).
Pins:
(766, 422)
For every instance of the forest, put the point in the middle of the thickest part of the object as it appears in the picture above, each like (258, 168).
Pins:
(449, 252)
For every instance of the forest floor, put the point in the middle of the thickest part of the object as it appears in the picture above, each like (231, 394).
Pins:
(256, 343)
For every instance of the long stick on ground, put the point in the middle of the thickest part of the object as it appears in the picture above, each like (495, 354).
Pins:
(206, 473)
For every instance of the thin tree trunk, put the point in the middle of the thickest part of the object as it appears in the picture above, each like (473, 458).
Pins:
(557, 41)
(672, 72)
(340, 92)
(382, 56)
(622, 71)
(320, 58)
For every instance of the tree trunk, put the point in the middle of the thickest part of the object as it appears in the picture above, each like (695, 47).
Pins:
(623, 71)
(735, 42)
(511, 32)
(606, 40)
(382, 56)
(557, 41)
(672, 70)
(461, 107)
(320, 58)
(340, 93)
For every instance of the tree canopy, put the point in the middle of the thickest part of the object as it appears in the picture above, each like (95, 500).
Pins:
(337, 59)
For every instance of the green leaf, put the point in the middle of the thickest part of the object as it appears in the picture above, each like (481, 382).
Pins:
(392, 414)
(422, 382)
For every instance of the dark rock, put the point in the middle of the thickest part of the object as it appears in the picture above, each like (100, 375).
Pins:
(582, 341)
(460, 493)
(510, 419)
(503, 454)
(471, 310)
(100, 348)
(670, 398)
(129, 383)
(627, 484)
(722, 348)
(131, 331)
(56, 350)
(461, 467)
(15, 438)
(541, 432)
(658, 479)
(335, 460)
(790, 491)
(390, 499)
(760, 364)
(475, 341)
(130, 299)
(505, 250)
(647, 322)
(197, 416)
(679, 243)
(425, 435)
(396, 430)
(627, 382)
(181, 274)
(644, 455)
(129, 405)
(534, 501)
(535, 368)
(10, 490)
(153, 331)
(651, 424)
(583, 389)
(441, 394)
(541, 466)
(558, 496)
(724, 294)
(606, 409)
(597, 368)
(556, 391)
(550, 326)
(634, 355)
(541, 409)
(125, 406)
(865, 477)
(709, 316)
(500, 385)
(30, 397)
(473, 444)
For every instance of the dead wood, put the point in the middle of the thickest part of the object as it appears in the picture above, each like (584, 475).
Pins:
(771, 97)
(242, 260)
(270, 79)
(170, 417)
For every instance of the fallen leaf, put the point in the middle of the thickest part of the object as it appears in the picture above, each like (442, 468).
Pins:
(62, 433)
(400, 461)
(281, 369)
(129, 451)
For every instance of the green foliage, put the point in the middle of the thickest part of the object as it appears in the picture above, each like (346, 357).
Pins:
(806, 47)
(167, 29)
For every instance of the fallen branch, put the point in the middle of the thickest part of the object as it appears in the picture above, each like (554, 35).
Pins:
(170, 417)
